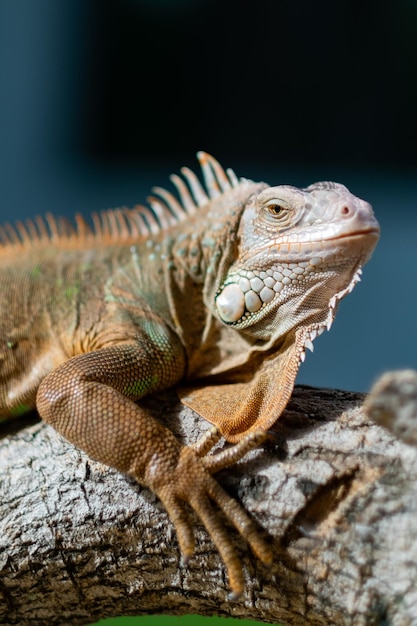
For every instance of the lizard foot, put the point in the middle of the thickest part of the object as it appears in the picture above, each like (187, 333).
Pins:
(192, 482)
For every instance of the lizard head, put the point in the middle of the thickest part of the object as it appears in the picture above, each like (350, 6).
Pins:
(275, 261)
(299, 252)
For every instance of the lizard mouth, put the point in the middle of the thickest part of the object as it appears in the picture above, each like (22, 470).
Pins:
(366, 237)
(357, 233)
(356, 237)
(361, 240)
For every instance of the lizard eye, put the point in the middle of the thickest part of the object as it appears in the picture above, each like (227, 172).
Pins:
(276, 209)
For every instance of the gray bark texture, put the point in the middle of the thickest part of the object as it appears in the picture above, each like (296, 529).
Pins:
(336, 493)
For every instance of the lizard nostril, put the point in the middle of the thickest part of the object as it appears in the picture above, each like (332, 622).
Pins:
(345, 210)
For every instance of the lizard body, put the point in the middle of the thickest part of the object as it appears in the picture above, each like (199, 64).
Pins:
(217, 292)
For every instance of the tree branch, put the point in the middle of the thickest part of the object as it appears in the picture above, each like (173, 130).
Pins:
(337, 494)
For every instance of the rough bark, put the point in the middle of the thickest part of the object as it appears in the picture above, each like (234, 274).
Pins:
(336, 492)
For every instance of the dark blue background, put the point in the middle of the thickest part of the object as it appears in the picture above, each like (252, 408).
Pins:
(100, 100)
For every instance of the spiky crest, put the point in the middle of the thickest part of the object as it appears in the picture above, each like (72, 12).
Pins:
(124, 224)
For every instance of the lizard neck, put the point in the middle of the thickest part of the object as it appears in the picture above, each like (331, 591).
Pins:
(205, 247)
(198, 258)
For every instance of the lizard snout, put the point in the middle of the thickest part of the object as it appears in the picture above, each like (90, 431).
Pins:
(358, 214)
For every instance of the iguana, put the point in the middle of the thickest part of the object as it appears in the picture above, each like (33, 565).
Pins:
(216, 290)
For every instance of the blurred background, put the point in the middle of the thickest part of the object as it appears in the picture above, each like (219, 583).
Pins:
(102, 99)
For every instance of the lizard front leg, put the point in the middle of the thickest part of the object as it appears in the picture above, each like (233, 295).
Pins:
(90, 401)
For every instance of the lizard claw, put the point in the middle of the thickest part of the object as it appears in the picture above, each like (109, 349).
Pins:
(233, 454)
(192, 483)
(207, 441)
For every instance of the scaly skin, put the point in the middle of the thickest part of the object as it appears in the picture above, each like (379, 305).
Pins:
(217, 295)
